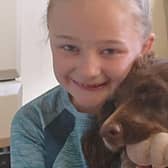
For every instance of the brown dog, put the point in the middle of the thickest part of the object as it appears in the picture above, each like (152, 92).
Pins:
(138, 108)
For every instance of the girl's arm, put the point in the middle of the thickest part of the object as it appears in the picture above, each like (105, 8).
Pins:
(27, 142)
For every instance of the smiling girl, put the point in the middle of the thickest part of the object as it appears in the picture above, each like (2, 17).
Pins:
(94, 44)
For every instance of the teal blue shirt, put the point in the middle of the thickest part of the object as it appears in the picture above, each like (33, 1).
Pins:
(46, 133)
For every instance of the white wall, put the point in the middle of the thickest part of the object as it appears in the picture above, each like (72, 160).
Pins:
(36, 63)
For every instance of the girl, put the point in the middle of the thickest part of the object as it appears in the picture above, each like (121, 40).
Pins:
(94, 44)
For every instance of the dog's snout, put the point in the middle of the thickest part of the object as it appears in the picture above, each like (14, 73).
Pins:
(112, 130)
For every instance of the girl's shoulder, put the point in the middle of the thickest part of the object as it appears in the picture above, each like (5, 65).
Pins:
(42, 109)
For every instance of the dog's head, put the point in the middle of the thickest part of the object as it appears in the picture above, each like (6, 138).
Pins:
(141, 111)
(137, 109)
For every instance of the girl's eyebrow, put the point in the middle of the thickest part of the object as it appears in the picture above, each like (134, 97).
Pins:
(66, 37)
(119, 42)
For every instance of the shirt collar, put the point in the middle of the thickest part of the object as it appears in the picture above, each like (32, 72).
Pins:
(66, 104)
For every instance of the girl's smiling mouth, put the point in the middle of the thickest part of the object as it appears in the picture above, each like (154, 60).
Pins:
(90, 87)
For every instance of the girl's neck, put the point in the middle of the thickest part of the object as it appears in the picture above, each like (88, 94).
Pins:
(90, 110)
(86, 109)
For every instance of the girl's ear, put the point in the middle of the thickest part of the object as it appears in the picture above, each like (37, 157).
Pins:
(148, 45)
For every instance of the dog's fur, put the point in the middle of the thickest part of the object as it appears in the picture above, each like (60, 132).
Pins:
(139, 106)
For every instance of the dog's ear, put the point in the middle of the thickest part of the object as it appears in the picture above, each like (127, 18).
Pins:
(150, 91)
(107, 109)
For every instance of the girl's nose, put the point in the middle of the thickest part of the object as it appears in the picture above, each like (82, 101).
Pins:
(90, 66)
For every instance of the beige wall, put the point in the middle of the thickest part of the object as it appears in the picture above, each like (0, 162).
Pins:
(160, 27)
(9, 59)
(10, 102)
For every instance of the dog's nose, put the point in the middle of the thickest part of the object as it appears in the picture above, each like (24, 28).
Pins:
(111, 131)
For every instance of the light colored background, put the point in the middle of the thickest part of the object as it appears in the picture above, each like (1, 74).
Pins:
(8, 34)
(160, 26)
(36, 63)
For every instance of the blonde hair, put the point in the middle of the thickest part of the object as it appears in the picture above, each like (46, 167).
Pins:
(140, 9)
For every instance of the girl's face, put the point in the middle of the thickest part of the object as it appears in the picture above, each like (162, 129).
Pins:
(94, 44)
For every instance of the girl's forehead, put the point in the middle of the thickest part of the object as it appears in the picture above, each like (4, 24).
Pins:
(99, 14)
(92, 4)
(82, 19)
(89, 10)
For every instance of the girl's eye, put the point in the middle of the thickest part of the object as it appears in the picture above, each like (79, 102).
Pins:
(70, 48)
(109, 51)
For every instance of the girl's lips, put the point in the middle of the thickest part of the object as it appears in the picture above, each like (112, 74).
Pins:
(90, 86)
